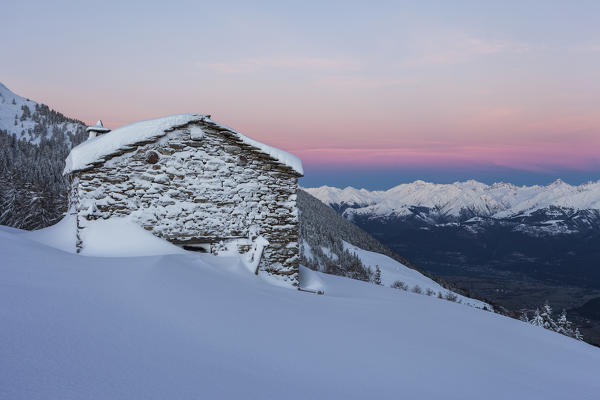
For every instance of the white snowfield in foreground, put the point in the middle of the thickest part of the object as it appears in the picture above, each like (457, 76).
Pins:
(193, 326)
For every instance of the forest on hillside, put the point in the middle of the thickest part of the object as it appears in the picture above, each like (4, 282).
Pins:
(32, 187)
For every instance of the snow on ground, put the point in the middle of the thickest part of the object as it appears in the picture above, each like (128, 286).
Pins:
(60, 236)
(392, 270)
(118, 237)
(328, 253)
(115, 237)
(190, 326)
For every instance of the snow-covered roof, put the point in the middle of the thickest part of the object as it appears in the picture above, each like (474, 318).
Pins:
(96, 149)
(98, 127)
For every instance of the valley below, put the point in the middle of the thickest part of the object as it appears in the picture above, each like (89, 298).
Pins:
(516, 271)
(517, 247)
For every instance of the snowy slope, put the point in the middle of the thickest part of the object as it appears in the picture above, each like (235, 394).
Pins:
(500, 200)
(11, 110)
(392, 270)
(189, 326)
(10, 107)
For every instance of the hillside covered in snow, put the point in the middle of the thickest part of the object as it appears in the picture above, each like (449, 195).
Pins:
(187, 325)
(329, 243)
(33, 122)
(34, 142)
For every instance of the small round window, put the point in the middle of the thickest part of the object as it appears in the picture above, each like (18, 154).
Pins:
(152, 157)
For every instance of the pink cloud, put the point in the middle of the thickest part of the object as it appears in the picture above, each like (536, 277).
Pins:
(446, 48)
(535, 157)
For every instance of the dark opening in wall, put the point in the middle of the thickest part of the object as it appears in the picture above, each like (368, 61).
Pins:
(152, 157)
(198, 249)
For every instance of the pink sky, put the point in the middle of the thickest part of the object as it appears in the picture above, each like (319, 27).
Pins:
(385, 86)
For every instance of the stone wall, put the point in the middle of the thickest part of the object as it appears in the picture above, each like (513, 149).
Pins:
(197, 186)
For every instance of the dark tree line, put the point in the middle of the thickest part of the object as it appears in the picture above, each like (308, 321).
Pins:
(322, 227)
(33, 191)
(321, 231)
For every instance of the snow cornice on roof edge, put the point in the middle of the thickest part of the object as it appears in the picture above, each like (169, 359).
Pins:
(282, 156)
(97, 150)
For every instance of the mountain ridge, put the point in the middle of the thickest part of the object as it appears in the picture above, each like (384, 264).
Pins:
(461, 202)
(34, 142)
(31, 121)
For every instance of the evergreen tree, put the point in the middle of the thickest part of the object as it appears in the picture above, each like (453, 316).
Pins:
(545, 320)
(546, 316)
(377, 277)
(564, 326)
(33, 192)
(537, 319)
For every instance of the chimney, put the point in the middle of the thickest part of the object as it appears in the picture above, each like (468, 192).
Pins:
(97, 130)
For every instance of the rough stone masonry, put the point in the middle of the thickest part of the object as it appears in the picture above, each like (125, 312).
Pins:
(199, 185)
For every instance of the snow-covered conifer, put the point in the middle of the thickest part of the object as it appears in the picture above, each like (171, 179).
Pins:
(546, 315)
(564, 326)
(537, 319)
(377, 276)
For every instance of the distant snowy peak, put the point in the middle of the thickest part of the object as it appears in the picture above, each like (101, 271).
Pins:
(31, 121)
(472, 198)
(349, 195)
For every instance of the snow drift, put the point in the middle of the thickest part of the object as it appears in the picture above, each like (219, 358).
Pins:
(191, 326)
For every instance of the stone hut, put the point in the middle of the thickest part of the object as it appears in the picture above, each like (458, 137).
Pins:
(195, 183)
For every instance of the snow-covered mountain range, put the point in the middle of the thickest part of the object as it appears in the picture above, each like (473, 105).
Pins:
(555, 208)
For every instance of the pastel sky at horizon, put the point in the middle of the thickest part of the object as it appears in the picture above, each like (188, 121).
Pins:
(366, 94)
